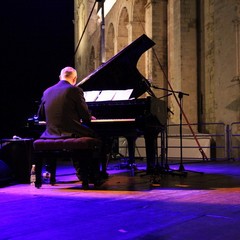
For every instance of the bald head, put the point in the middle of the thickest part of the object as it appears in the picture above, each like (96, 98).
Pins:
(69, 74)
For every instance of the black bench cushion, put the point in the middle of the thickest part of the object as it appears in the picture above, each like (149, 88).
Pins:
(66, 144)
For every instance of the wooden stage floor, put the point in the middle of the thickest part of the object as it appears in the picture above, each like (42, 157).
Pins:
(198, 206)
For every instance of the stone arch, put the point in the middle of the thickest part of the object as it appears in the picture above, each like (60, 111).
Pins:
(110, 42)
(123, 29)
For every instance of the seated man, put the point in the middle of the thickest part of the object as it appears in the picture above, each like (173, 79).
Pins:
(65, 111)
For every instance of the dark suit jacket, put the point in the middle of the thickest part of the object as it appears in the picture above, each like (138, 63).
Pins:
(63, 107)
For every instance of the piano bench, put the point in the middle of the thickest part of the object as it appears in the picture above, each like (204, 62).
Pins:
(84, 149)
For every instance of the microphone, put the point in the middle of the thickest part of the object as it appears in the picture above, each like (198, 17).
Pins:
(169, 110)
(148, 84)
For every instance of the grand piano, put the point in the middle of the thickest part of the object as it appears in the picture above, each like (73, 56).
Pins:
(135, 116)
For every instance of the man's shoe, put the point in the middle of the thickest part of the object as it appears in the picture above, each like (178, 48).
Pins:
(99, 182)
(85, 185)
(104, 175)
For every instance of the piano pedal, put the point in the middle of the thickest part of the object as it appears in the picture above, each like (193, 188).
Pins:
(155, 180)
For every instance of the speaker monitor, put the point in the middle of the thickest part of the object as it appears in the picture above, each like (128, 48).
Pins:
(5, 173)
(18, 156)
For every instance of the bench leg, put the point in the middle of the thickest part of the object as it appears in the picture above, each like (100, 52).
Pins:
(51, 163)
(52, 169)
(39, 163)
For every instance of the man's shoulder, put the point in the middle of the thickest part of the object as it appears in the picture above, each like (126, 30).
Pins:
(64, 86)
(58, 85)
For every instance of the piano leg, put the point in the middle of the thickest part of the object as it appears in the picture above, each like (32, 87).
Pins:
(104, 155)
(151, 150)
(131, 149)
(131, 153)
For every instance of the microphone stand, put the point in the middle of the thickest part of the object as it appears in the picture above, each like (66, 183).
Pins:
(159, 168)
(181, 166)
(181, 169)
(164, 144)
(166, 167)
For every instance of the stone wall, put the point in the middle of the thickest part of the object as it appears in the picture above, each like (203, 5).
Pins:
(221, 75)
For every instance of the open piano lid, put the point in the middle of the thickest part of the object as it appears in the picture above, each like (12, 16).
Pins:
(120, 72)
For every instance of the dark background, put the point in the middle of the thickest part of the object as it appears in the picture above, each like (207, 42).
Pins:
(37, 41)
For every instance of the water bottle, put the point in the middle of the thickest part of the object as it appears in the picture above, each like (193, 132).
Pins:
(33, 175)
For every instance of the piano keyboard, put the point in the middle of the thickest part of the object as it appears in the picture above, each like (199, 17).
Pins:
(113, 120)
(102, 120)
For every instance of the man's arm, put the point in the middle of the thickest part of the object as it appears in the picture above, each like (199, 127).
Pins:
(82, 106)
(41, 112)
